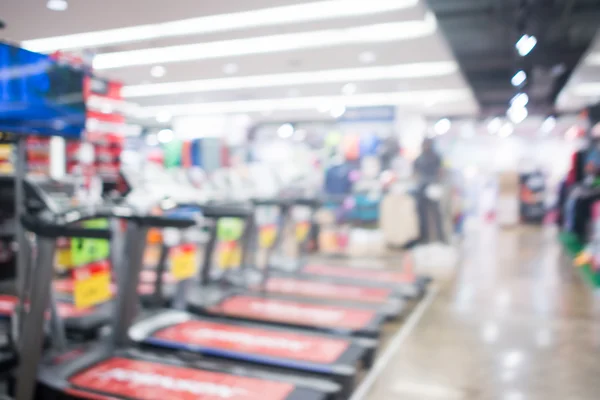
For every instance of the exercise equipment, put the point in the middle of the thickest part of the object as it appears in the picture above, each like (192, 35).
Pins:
(114, 369)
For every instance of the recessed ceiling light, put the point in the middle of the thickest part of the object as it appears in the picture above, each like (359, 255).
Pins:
(349, 89)
(230, 68)
(338, 111)
(442, 126)
(165, 135)
(525, 44)
(549, 124)
(164, 117)
(367, 57)
(506, 130)
(520, 100)
(376, 33)
(401, 71)
(57, 5)
(519, 78)
(494, 125)
(517, 114)
(285, 131)
(158, 71)
(314, 11)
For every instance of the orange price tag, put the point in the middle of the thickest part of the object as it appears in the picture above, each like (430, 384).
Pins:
(302, 229)
(91, 284)
(184, 262)
(266, 236)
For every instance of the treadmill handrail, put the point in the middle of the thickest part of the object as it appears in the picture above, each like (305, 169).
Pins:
(50, 229)
(216, 210)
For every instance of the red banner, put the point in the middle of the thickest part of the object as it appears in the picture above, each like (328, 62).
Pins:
(327, 290)
(144, 380)
(255, 341)
(294, 312)
(361, 274)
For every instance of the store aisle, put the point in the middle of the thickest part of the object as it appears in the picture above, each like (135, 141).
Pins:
(515, 324)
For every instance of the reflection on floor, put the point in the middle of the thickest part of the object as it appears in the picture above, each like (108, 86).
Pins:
(516, 323)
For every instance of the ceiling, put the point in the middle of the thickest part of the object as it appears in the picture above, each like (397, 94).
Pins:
(483, 33)
(271, 60)
(292, 58)
(583, 88)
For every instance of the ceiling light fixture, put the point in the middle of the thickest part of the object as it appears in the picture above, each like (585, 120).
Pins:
(338, 111)
(442, 126)
(520, 100)
(349, 89)
(308, 103)
(506, 130)
(549, 124)
(285, 131)
(519, 78)
(494, 125)
(367, 57)
(517, 114)
(316, 11)
(165, 135)
(401, 71)
(158, 71)
(385, 32)
(525, 44)
(57, 5)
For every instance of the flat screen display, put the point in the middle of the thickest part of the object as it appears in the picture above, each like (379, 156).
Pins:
(39, 96)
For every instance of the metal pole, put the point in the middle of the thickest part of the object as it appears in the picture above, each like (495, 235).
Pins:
(127, 302)
(33, 324)
(22, 266)
(209, 248)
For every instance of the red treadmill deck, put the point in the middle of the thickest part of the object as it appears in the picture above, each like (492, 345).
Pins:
(294, 312)
(325, 290)
(255, 341)
(361, 274)
(145, 380)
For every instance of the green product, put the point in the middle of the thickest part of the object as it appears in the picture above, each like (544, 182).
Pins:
(230, 229)
(172, 153)
(85, 251)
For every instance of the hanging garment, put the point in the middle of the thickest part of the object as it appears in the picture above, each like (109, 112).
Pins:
(337, 179)
(398, 219)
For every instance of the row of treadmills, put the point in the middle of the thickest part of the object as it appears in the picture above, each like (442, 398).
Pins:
(271, 332)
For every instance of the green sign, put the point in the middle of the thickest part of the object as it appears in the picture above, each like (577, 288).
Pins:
(85, 251)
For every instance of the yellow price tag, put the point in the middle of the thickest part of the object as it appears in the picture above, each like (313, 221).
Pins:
(184, 262)
(229, 255)
(302, 229)
(266, 236)
(63, 259)
(92, 285)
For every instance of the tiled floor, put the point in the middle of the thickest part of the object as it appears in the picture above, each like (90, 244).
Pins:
(516, 323)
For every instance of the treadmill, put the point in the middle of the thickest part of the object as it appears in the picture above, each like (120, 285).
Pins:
(114, 369)
(46, 196)
(393, 283)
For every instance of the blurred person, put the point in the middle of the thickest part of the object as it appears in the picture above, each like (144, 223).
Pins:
(428, 172)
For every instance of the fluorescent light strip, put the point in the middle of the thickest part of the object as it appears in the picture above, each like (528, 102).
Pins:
(304, 103)
(402, 71)
(318, 11)
(590, 89)
(270, 44)
(593, 59)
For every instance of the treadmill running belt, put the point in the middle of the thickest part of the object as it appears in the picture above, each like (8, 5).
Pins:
(254, 341)
(327, 290)
(355, 273)
(293, 312)
(143, 380)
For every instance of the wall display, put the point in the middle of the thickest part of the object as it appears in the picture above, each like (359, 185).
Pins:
(39, 95)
